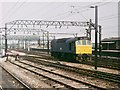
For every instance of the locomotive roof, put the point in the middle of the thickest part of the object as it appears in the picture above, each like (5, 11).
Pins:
(62, 40)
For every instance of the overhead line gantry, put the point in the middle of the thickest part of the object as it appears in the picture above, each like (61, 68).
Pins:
(27, 23)
(48, 23)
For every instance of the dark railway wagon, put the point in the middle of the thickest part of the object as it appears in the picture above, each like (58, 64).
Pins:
(112, 43)
(111, 47)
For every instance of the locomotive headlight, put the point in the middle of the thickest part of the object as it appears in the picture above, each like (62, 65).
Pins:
(60, 48)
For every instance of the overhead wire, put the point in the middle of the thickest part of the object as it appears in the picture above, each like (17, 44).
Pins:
(82, 14)
(67, 15)
(61, 14)
(41, 6)
(58, 6)
(67, 11)
(14, 5)
(109, 16)
(107, 19)
(97, 3)
(112, 26)
(104, 4)
(58, 14)
(10, 10)
(15, 10)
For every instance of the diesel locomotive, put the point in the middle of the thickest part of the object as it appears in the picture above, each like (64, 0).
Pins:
(78, 48)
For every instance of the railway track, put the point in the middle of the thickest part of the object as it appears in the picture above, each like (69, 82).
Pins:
(67, 81)
(102, 62)
(105, 62)
(25, 86)
(92, 73)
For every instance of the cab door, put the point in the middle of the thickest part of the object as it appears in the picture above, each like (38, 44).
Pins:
(72, 47)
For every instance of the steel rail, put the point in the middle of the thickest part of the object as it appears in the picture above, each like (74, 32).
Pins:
(16, 78)
(45, 76)
(97, 74)
(111, 64)
(73, 79)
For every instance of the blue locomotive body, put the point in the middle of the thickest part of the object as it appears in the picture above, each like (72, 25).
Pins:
(71, 48)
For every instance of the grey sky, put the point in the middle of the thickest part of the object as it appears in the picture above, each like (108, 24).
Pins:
(73, 11)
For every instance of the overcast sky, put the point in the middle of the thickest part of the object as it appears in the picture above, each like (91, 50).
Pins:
(72, 10)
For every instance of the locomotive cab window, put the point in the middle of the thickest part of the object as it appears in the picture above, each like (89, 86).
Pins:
(88, 42)
(83, 42)
(78, 42)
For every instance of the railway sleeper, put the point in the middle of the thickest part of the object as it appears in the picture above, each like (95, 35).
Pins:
(97, 74)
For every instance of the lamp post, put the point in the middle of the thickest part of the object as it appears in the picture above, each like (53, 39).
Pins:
(1, 41)
(96, 30)
(48, 41)
(6, 39)
(100, 28)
